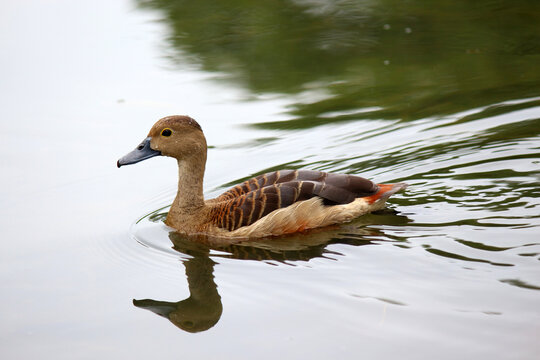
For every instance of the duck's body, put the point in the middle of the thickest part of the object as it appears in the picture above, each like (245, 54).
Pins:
(276, 203)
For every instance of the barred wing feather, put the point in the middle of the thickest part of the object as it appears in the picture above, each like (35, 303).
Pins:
(253, 199)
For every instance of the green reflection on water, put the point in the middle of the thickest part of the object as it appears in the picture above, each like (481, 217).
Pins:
(520, 283)
(388, 59)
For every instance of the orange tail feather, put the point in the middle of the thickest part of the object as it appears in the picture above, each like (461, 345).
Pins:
(385, 191)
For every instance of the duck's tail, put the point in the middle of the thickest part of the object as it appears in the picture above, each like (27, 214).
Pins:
(385, 191)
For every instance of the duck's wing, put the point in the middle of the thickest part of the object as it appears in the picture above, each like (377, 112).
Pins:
(338, 188)
(250, 201)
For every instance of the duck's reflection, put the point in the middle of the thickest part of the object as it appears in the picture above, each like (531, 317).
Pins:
(203, 308)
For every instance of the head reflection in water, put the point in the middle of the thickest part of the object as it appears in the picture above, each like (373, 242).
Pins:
(202, 309)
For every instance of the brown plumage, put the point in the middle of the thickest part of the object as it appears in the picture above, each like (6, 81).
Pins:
(253, 199)
(275, 203)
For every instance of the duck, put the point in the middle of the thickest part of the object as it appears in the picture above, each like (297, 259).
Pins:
(271, 204)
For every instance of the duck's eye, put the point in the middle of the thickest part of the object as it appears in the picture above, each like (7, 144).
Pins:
(166, 132)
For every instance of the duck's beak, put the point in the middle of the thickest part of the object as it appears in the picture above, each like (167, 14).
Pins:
(162, 308)
(141, 152)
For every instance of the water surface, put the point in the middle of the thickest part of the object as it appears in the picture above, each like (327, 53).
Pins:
(445, 98)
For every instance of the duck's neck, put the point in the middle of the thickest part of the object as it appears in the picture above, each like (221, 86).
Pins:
(190, 186)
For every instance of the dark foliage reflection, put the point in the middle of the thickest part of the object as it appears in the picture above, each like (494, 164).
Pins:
(389, 59)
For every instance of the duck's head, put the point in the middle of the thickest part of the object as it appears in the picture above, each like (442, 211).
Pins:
(177, 136)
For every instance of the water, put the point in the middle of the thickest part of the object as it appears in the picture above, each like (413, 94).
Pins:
(445, 98)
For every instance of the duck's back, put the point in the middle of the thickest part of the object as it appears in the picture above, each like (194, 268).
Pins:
(253, 199)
